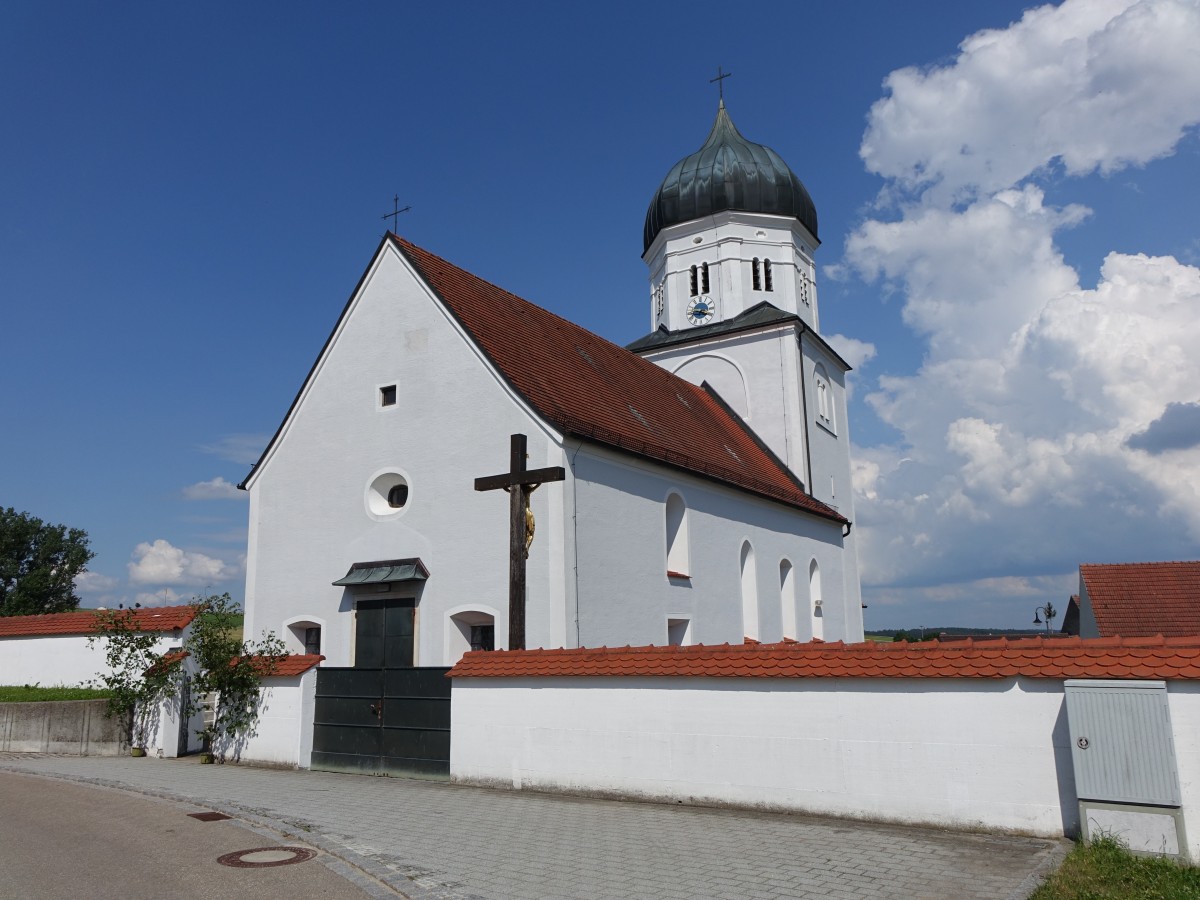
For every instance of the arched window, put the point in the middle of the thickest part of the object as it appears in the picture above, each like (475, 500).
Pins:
(756, 277)
(695, 287)
(468, 630)
(749, 593)
(677, 537)
(817, 604)
(704, 278)
(303, 635)
(824, 398)
(767, 282)
(787, 598)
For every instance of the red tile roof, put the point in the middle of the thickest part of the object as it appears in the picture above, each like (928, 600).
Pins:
(294, 664)
(1135, 599)
(1072, 657)
(83, 621)
(591, 388)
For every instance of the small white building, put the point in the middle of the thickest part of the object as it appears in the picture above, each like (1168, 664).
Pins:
(59, 649)
(706, 496)
(54, 650)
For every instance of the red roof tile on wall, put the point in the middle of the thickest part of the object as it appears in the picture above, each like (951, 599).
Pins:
(1132, 599)
(1157, 658)
(283, 666)
(591, 388)
(83, 621)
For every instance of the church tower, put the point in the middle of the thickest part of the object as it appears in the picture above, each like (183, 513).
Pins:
(729, 241)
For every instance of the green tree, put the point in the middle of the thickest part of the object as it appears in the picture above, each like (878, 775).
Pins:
(38, 564)
(229, 668)
(138, 676)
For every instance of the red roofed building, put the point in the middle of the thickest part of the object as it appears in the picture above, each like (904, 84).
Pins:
(53, 649)
(707, 492)
(1139, 599)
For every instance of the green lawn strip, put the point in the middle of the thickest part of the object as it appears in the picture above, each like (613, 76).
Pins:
(1105, 870)
(33, 693)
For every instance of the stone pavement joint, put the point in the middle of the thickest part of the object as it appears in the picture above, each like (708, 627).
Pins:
(439, 841)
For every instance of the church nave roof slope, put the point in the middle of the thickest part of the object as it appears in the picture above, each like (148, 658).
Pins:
(591, 388)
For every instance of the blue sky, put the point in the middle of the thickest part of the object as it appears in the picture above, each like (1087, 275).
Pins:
(190, 192)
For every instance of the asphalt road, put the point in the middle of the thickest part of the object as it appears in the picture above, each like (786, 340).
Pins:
(67, 840)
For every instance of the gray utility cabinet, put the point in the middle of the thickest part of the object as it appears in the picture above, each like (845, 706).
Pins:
(1123, 755)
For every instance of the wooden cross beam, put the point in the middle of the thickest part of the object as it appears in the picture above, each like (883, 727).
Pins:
(520, 483)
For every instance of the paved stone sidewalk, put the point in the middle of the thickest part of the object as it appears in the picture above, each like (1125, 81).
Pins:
(438, 841)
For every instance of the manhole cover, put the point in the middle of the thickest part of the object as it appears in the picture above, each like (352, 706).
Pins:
(208, 816)
(263, 857)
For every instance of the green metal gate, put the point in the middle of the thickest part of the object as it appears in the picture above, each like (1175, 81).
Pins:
(383, 721)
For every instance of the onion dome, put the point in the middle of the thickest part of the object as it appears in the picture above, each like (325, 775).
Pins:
(728, 173)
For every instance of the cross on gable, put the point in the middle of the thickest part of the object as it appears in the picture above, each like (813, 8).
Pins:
(519, 482)
(394, 215)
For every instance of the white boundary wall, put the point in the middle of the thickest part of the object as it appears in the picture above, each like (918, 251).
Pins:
(61, 659)
(988, 754)
(284, 732)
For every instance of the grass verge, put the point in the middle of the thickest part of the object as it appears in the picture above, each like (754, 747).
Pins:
(34, 693)
(1106, 870)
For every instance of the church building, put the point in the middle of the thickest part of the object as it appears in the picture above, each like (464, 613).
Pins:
(705, 491)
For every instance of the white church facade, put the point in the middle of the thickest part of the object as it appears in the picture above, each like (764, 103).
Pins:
(706, 496)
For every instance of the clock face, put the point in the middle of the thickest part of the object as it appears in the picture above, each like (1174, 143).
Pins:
(700, 310)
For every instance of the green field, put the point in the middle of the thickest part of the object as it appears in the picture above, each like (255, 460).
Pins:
(34, 693)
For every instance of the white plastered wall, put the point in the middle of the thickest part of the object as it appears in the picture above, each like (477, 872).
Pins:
(451, 423)
(729, 241)
(975, 753)
(67, 659)
(625, 596)
(763, 359)
(283, 734)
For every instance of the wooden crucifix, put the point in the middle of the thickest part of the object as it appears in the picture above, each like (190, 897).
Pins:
(520, 483)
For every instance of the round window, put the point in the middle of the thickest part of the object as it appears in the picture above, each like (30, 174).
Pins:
(387, 494)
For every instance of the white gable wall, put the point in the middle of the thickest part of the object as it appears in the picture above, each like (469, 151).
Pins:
(451, 423)
(625, 596)
(769, 397)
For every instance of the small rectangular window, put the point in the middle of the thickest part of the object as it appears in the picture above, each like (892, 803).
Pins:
(312, 640)
(483, 637)
(387, 395)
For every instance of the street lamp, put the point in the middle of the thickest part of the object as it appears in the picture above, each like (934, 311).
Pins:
(1049, 611)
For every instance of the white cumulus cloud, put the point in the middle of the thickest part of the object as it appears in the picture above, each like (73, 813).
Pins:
(1089, 85)
(164, 597)
(1042, 428)
(244, 449)
(162, 563)
(213, 489)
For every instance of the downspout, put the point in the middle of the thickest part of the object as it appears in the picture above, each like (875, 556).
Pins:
(575, 532)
